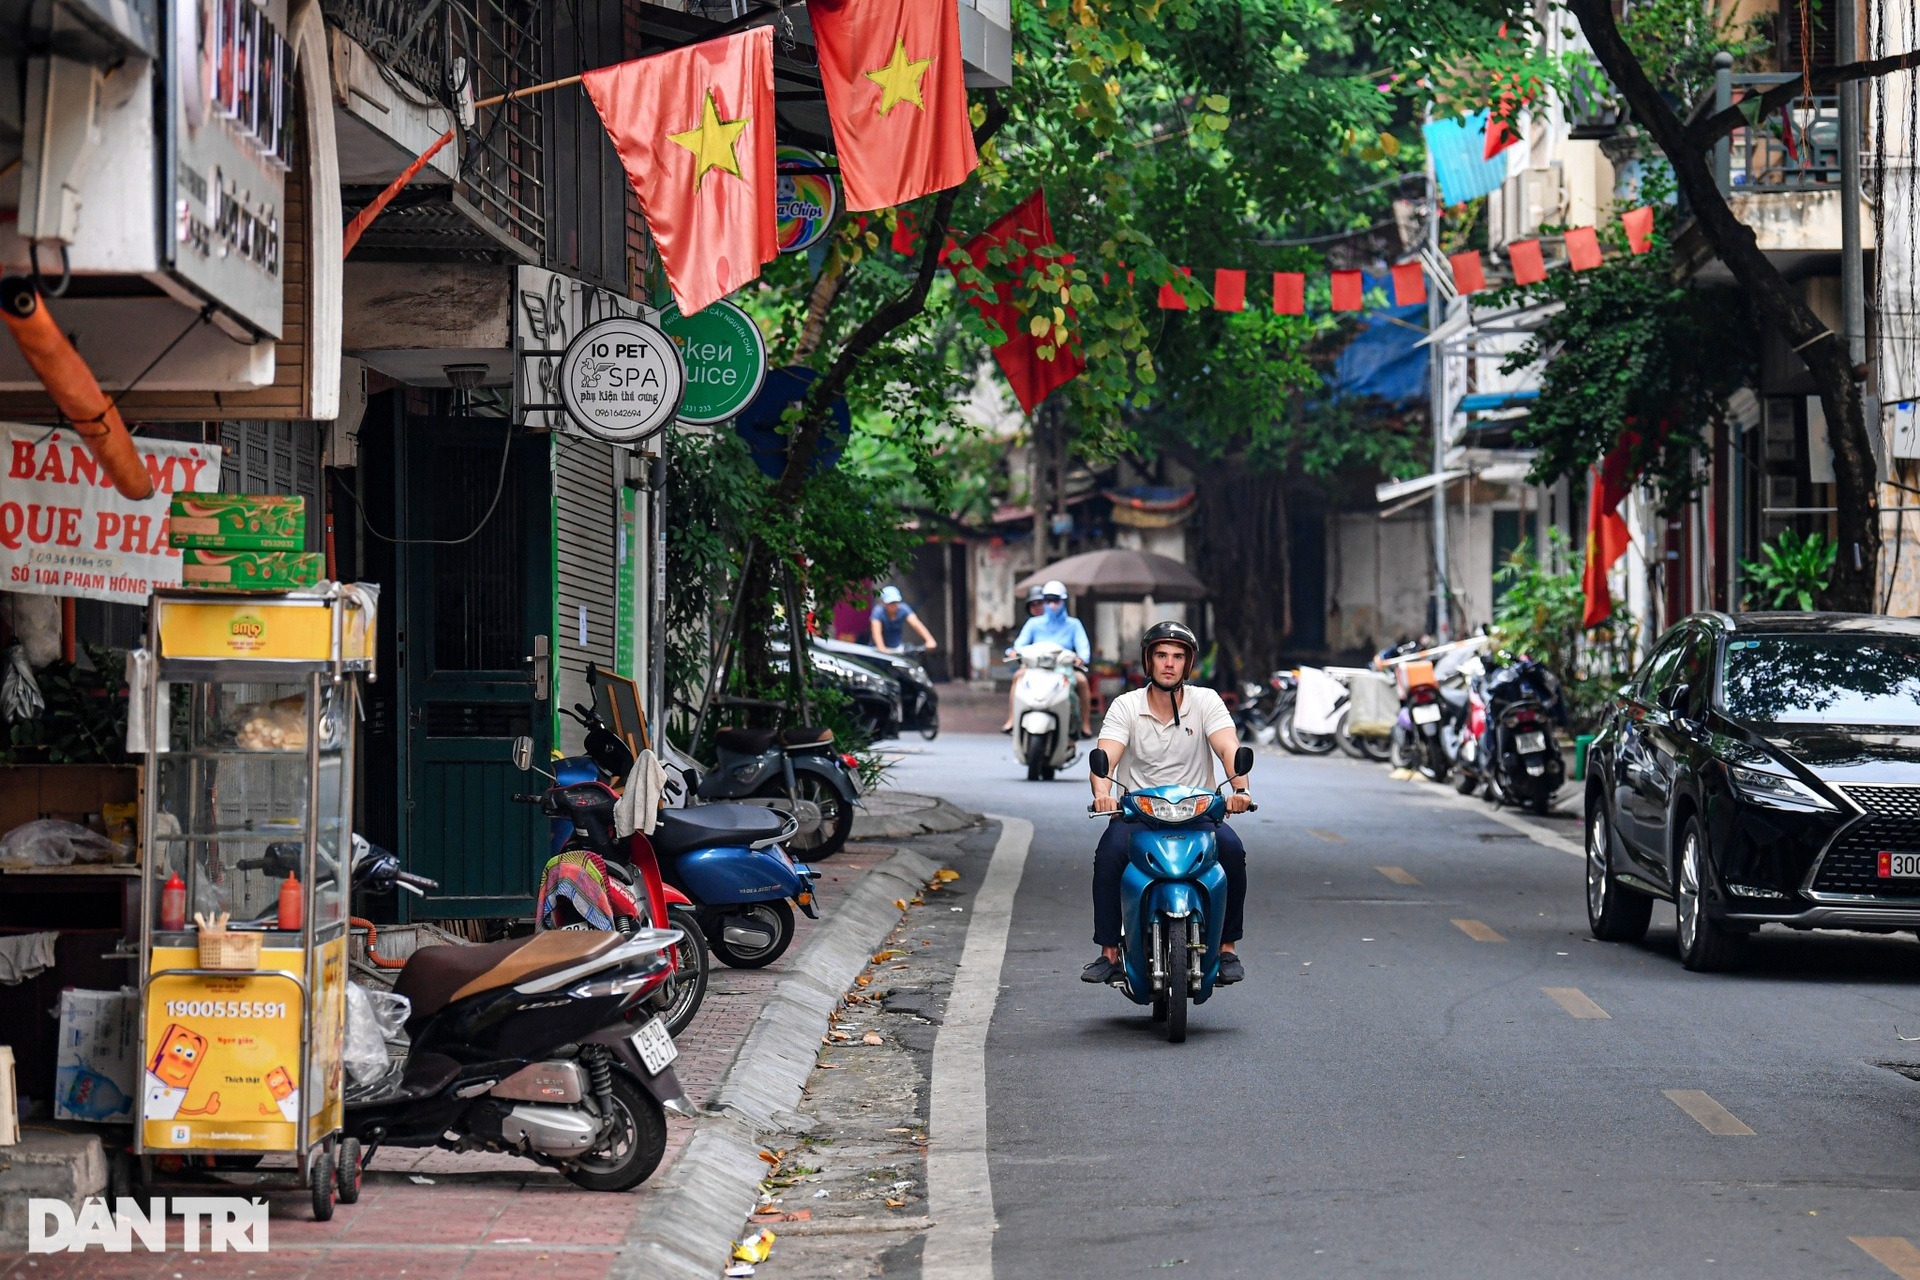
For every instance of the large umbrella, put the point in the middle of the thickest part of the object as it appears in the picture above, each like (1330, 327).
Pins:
(1119, 574)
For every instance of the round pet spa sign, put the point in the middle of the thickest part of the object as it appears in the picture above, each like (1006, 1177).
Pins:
(622, 380)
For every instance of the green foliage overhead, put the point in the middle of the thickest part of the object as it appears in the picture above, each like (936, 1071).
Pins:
(1541, 615)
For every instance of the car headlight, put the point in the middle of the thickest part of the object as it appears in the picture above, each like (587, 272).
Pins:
(1780, 790)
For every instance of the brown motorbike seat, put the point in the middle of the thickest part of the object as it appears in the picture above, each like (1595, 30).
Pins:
(435, 977)
(807, 736)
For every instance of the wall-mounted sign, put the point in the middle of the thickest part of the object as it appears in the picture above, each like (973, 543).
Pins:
(806, 199)
(549, 309)
(621, 380)
(725, 356)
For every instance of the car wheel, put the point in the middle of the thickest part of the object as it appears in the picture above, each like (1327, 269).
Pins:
(1614, 913)
(1706, 945)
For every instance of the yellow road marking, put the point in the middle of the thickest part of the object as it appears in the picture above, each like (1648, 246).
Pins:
(1331, 837)
(1477, 931)
(1399, 875)
(1713, 1117)
(1895, 1253)
(1576, 1002)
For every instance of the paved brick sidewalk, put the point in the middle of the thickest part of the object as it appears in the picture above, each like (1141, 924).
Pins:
(482, 1216)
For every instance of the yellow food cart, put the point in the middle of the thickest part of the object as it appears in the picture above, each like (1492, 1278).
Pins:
(247, 846)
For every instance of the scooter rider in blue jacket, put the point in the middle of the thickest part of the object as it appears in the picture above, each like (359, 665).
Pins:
(1053, 623)
(1160, 736)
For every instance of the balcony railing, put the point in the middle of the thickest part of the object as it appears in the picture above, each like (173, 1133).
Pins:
(1795, 148)
(456, 51)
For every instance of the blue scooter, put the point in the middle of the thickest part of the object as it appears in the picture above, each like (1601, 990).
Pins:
(728, 859)
(1173, 894)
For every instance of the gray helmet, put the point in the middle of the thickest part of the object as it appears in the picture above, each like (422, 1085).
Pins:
(1170, 632)
(1036, 594)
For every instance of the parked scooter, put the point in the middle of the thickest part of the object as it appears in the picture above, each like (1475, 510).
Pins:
(1432, 719)
(1173, 894)
(579, 808)
(794, 771)
(729, 860)
(545, 1047)
(1523, 703)
(1044, 713)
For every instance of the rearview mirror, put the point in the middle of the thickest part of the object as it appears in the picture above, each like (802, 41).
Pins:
(1243, 762)
(523, 753)
(1674, 698)
(1097, 762)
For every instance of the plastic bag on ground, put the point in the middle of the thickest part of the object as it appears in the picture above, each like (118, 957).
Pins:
(373, 1018)
(50, 842)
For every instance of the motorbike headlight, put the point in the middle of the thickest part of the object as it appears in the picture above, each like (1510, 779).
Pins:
(1174, 810)
(1774, 788)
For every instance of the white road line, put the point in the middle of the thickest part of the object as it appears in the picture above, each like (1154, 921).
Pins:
(959, 1183)
(1539, 835)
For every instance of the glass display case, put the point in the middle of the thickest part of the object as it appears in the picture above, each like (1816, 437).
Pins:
(249, 712)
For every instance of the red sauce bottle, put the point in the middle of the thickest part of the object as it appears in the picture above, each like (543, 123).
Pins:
(173, 904)
(290, 902)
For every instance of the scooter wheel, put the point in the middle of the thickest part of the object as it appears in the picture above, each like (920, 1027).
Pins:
(690, 975)
(632, 1151)
(1466, 783)
(777, 916)
(930, 732)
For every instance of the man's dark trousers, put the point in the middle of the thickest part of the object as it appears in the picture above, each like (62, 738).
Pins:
(1110, 862)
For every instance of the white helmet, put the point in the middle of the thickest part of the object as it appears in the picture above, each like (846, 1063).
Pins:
(1054, 590)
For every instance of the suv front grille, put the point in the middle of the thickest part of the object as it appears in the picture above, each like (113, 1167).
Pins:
(1852, 864)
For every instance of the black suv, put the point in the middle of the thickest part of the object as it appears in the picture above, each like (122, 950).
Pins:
(1760, 768)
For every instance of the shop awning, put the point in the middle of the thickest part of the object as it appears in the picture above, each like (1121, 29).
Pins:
(1395, 490)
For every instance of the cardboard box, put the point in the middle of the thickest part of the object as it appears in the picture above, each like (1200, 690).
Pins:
(94, 1072)
(238, 522)
(251, 570)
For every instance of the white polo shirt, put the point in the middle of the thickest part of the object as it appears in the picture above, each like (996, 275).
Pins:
(1157, 754)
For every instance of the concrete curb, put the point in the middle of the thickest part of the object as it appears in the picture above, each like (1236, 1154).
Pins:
(889, 819)
(703, 1200)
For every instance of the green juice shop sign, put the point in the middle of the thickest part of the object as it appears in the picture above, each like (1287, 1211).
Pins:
(726, 360)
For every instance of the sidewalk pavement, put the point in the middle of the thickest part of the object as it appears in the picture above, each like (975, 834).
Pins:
(476, 1216)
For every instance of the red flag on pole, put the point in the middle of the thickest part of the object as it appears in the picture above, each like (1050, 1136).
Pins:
(1409, 284)
(1032, 376)
(1229, 290)
(1528, 266)
(1289, 293)
(1607, 535)
(694, 131)
(897, 95)
(1469, 273)
(1348, 291)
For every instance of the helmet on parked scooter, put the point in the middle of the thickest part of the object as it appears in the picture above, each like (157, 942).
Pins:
(1169, 632)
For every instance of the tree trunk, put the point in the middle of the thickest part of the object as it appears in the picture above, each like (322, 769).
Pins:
(1240, 549)
(1824, 352)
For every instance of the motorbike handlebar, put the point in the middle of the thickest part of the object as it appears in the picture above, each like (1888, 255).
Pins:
(522, 797)
(412, 880)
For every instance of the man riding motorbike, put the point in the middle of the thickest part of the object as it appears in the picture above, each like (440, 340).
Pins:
(890, 619)
(1160, 736)
(1053, 623)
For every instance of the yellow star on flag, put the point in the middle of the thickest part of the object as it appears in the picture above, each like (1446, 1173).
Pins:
(900, 79)
(712, 142)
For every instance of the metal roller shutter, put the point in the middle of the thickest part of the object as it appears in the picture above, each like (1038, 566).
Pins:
(585, 512)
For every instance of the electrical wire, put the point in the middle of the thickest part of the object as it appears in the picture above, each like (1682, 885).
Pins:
(499, 487)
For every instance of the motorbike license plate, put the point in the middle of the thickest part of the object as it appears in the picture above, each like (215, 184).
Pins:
(1899, 866)
(1530, 742)
(1426, 715)
(657, 1049)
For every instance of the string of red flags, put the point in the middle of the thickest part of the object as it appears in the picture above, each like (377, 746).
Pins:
(1526, 259)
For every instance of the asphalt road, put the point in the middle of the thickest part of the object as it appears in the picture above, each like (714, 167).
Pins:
(1395, 1092)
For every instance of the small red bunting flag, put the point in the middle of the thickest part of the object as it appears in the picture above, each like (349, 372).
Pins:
(1469, 273)
(1348, 292)
(1528, 266)
(1229, 289)
(1639, 225)
(1171, 298)
(1409, 285)
(1289, 293)
(1583, 249)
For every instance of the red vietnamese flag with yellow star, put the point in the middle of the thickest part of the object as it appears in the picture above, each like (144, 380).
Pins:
(897, 94)
(694, 130)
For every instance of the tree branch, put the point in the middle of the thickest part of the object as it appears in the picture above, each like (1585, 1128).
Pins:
(816, 411)
(1703, 133)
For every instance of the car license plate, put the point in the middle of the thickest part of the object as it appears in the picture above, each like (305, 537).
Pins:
(657, 1049)
(1899, 866)
(1530, 742)
(1426, 715)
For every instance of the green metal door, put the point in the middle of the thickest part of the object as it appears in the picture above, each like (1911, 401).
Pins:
(477, 589)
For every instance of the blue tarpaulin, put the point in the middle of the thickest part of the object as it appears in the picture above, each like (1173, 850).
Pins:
(1456, 147)
(1382, 359)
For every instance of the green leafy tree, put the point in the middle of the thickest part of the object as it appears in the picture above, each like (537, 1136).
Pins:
(1792, 571)
(1542, 614)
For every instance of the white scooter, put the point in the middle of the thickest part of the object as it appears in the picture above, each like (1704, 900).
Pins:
(1043, 710)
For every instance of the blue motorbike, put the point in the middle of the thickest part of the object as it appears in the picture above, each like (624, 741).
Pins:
(1173, 894)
